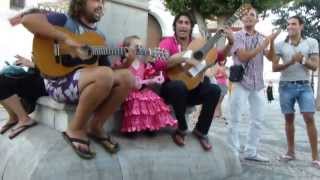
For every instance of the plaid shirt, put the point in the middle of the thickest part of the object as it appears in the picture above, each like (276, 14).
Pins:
(253, 77)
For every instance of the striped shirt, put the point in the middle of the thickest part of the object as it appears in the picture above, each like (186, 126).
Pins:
(253, 77)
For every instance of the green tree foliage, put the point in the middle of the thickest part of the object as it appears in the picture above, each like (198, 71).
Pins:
(309, 10)
(215, 8)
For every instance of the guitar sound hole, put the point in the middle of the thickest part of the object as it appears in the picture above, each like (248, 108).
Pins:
(198, 55)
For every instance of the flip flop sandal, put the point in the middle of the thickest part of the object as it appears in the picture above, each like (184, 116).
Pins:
(203, 140)
(81, 153)
(287, 157)
(7, 126)
(16, 131)
(316, 164)
(106, 142)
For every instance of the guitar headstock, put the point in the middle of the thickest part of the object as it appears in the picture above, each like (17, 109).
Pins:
(241, 11)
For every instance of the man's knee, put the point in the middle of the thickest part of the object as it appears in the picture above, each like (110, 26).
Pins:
(213, 92)
(103, 76)
(175, 87)
(308, 118)
(174, 92)
(125, 78)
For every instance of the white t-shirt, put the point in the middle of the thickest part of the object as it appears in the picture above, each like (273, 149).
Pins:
(285, 50)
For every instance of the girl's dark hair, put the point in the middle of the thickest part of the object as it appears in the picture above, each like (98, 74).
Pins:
(127, 40)
(176, 18)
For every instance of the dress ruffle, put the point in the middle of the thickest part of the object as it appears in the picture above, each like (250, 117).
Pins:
(145, 110)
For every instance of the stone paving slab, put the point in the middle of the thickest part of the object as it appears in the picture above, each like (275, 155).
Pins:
(273, 144)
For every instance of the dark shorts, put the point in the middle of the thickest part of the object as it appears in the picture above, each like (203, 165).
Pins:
(30, 87)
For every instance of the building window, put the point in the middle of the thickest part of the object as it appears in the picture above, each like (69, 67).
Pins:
(17, 4)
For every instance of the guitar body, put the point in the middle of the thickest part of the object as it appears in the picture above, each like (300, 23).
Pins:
(58, 66)
(180, 72)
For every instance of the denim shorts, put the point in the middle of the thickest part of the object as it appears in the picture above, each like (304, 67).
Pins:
(290, 92)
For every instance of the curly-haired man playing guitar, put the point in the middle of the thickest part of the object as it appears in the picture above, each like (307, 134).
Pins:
(98, 91)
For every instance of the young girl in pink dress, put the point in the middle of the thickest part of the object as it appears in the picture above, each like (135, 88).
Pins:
(143, 109)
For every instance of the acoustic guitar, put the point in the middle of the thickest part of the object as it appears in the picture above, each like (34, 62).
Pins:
(56, 59)
(203, 51)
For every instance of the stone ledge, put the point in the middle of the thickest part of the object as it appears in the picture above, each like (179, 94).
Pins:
(57, 115)
(50, 103)
(41, 153)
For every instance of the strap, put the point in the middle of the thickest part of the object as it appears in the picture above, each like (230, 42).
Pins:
(81, 141)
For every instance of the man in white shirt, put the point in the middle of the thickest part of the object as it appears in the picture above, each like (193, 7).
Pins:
(299, 55)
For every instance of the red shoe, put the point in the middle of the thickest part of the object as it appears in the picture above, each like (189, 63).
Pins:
(178, 137)
(203, 140)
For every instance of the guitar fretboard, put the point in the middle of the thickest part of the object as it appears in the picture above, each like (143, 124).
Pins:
(121, 51)
(98, 51)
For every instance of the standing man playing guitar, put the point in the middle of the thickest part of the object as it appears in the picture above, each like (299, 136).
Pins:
(97, 90)
(177, 94)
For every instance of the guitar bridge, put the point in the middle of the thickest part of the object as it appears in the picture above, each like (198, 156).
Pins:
(197, 69)
(56, 52)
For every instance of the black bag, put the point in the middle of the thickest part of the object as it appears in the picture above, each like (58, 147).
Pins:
(16, 72)
(236, 73)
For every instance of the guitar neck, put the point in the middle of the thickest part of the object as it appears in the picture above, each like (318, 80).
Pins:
(212, 40)
(99, 51)
(199, 54)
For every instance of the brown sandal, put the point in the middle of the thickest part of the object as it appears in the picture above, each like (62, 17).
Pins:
(21, 128)
(88, 154)
(7, 126)
(203, 140)
(106, 142)
(178, 137)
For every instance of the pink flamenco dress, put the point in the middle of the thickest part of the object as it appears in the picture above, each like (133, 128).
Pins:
(143, 109)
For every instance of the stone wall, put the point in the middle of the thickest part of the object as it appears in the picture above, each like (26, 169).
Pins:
(123, 18)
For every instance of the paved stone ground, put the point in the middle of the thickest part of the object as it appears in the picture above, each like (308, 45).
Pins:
(273, 144)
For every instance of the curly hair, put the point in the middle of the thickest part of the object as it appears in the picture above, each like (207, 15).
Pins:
(76, 7)
(186, 14)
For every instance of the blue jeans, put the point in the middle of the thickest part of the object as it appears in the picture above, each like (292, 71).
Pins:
(290, 92)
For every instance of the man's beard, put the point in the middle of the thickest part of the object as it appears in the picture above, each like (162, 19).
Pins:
(93, 17)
